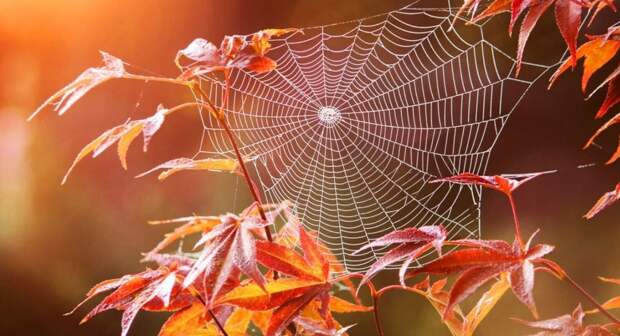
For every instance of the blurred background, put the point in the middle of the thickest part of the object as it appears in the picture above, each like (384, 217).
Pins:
(56, 242)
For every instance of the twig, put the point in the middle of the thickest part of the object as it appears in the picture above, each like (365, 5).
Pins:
(221, 117)
(591, 299)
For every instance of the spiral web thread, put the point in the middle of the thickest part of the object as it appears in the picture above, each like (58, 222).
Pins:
(361, 115)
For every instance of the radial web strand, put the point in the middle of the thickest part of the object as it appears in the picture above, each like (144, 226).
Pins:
(361, 115)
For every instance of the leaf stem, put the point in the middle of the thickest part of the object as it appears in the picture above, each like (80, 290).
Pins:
(517, 223)
(592, 300)
(157, 79)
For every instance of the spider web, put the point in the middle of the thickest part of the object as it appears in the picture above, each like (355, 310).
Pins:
(361, 115)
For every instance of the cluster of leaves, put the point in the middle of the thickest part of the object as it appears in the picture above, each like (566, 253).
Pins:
(477, 262)
(239, 276)
(224, 278)
(597, 52)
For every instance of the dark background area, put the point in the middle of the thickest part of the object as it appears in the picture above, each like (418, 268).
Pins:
(56, 242)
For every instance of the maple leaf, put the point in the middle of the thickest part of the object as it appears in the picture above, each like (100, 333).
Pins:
(288, 297)
(412, 243)
(228, 246)
(597, 52)
(235, 52)
(192, 320)
(193, 225)
(195, 321)
(567, 15)
(124, 134)
(458, 323)
(177, 165)
(288, 236)
(477, 265)
(567, 325)
(154, 290)
(604, 202)
(113, 67)
(287, 294)
(506, 183)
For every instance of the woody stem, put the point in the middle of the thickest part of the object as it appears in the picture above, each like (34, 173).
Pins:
(221, 117)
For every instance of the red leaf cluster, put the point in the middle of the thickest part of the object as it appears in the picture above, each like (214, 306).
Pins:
(235, 52)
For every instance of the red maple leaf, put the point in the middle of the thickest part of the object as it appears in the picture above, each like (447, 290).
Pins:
(412, 243)
(228, 247)
(305, 280)
(154, 290)
(235, 52)
(485, 260)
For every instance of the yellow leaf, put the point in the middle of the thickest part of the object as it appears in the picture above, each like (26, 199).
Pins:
(338, 305)
(485, 304)
(612, 303)
(192, 321)
(85, 151)
(277, 292)
(261, 320)
(238, 322)
(192, 225)
(128, 137)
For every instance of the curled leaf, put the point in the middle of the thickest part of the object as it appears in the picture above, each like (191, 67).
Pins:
(113, 67)
(604, 202)
(124, 134)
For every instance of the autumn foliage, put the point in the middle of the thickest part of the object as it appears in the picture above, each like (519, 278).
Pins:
(241, 273)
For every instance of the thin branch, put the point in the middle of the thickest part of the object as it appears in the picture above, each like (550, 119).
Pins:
(592, 300)
(221, 117)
